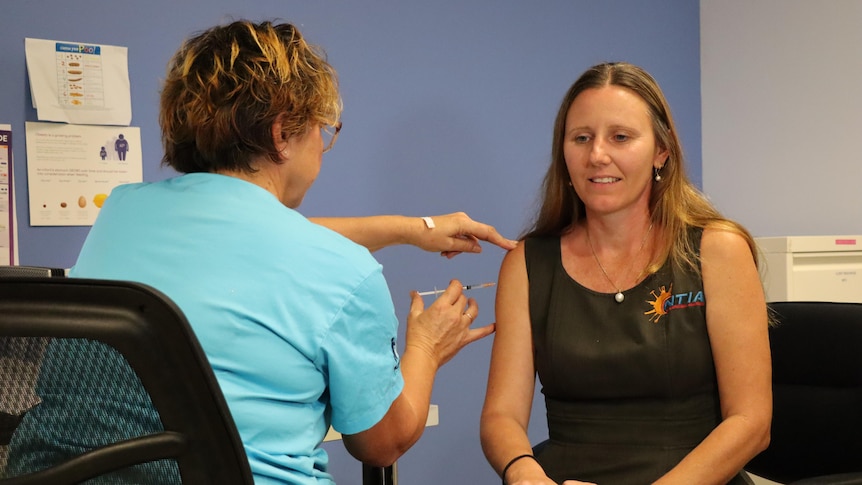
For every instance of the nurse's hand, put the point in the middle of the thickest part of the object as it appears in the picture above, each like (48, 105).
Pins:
(444, 328)
(456, 233)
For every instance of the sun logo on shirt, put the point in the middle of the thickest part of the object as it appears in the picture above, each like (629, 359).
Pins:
(658, 305)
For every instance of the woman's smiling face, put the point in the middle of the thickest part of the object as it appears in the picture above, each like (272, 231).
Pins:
(610, 149)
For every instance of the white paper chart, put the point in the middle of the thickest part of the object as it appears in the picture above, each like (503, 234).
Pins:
(80, 76)
(79, 83)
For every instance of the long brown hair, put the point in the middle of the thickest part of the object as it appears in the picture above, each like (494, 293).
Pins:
(675, 203)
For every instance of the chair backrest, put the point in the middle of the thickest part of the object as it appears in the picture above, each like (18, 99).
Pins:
(817, 392)
(124, 388)
(31, 271)
(20, 362)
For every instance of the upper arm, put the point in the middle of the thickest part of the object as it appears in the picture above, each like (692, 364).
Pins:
(737, 324)
(511, 380)
(379, 444)
(359, 359)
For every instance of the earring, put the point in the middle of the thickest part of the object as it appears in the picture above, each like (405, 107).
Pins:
(657, 175)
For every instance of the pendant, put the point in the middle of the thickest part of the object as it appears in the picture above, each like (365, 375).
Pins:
(619, 297)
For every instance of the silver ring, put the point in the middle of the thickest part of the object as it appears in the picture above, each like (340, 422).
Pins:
(469, 315)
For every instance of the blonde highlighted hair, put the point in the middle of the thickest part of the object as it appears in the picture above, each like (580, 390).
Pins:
(226, 87)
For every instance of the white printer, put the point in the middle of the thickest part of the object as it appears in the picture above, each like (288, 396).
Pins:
(818, 268)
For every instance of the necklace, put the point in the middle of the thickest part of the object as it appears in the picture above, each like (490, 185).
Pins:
(619, 297)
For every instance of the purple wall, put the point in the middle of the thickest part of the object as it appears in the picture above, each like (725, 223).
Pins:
(448, 106)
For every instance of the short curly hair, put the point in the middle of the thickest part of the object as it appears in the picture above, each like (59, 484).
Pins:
(226, 86)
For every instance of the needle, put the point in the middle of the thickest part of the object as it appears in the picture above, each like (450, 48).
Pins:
(435, 291)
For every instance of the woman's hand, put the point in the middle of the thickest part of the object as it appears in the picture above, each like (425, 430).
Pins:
(456, 233)
(449, 234)
(544, 480)
(443, 329)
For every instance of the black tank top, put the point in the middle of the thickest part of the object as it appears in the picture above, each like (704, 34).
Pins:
(629, 387)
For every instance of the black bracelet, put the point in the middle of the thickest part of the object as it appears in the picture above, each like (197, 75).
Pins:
(511, 462)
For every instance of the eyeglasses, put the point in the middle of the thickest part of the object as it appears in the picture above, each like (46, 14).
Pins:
(329, 133)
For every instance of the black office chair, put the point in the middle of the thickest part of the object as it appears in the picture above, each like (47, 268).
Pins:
(817, 393)
(7, 271)
(114, 337)
(19, 362)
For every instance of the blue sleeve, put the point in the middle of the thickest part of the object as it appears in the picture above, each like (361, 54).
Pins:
(361, 359)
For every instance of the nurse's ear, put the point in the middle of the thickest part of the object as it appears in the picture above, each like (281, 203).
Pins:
(280, 137)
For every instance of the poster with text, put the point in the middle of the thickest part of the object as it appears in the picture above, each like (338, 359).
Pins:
(71, 169)
(7, 206)
(79, 83)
